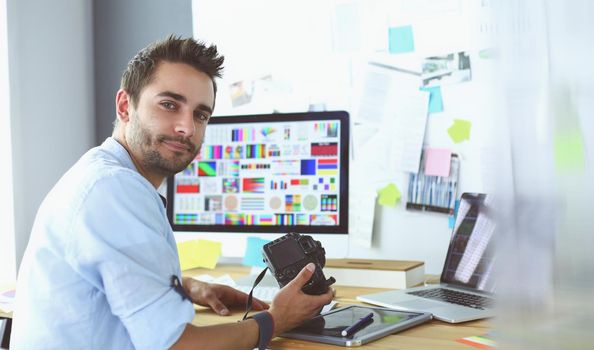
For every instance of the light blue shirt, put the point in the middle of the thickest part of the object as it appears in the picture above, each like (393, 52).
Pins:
(97, 271)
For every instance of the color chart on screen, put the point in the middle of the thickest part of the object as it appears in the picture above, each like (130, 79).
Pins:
(263, 174)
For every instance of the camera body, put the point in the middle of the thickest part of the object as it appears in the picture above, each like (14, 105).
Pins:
(288, 255)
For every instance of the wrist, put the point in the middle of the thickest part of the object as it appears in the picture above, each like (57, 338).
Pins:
(266, 328)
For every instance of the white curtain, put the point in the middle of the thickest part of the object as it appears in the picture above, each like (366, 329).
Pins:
(545, 92)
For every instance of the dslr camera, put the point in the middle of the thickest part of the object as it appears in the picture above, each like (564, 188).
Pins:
(288, 255)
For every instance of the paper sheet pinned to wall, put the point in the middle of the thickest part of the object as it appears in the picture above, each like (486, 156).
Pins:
(361, 215)
(198, 253)
(346, 27)
(253, 252)
(391, 100)
(406, 126)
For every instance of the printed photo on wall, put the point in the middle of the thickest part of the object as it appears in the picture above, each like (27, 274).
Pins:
(448, 69)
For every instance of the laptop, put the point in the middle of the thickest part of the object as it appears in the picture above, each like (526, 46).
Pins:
(467, 286)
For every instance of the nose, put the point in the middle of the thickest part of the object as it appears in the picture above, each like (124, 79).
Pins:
(185, 125)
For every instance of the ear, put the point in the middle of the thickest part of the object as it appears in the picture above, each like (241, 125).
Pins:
(123, 105)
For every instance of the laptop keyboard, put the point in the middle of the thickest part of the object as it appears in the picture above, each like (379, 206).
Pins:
(455, 297)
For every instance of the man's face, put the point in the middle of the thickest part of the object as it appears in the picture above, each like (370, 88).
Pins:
(166, 129)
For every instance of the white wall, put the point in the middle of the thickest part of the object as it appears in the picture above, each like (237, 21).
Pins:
(120, 29)
(52, 105)
(299, 47)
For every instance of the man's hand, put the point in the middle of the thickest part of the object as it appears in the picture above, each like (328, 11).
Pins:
(291, 306)
(218, 297)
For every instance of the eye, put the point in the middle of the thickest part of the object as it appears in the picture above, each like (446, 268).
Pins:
(201, 117)
(168, 105)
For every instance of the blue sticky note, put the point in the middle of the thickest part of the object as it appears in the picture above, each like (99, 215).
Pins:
(401, 39)
(435, 100)
(451, 221)
(253, 252)
(452, 218)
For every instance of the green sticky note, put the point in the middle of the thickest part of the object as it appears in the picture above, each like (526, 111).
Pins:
(460, 130)
(401, 39)
(389, 195)
(569, 151)
(198, 253)
(488, 53)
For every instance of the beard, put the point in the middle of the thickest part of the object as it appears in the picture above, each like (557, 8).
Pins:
(151, 160)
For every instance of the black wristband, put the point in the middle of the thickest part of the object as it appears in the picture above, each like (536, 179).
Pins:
(266, 325)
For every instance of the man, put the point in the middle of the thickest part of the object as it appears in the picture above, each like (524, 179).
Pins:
(101, 270)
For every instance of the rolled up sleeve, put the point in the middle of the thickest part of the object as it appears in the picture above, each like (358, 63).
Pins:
(123, 245)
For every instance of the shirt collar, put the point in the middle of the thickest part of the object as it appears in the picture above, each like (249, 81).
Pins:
(112, 146)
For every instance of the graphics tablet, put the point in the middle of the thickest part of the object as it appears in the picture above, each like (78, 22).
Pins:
(327, 328)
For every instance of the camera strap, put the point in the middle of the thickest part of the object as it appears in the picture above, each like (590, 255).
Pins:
(248, 304)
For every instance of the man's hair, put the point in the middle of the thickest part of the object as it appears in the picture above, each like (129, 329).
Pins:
(141, 68)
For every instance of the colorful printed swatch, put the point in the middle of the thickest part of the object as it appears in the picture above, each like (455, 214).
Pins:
(329, 202)
(285, 219)
(302, 219)
(231, 185)
(266, 219)
(253, 185)
(255, 151)
(324, 149)
(182, 218)
(235, 219)
(267, 131)
(327, 166)
(278, 185)
(187, 186)
(252, 203)
(308, 167)
(293, 202)
(324, 219)
(190, 170)
(234, 152)
(326, 129)
(212, 152)
(207, 169)
(243, 135)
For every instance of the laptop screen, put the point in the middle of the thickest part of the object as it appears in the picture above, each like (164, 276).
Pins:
(470, 261)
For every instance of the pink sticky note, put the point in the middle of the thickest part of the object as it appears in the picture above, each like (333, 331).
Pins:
(437, 162)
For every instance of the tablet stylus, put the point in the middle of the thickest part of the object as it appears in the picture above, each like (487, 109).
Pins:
(352, 329)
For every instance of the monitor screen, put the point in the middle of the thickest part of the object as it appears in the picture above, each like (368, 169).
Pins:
(270, 173)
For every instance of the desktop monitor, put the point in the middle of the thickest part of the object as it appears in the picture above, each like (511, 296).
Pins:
(266, 175)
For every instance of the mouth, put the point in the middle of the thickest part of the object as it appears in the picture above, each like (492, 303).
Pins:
(176, 146)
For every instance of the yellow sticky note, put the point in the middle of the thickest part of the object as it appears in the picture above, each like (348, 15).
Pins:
(389, 195)
(460, 130)
(198, 253)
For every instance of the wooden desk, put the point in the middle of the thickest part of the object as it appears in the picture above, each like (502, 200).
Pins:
(432, 335)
